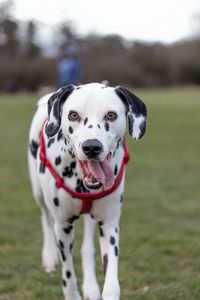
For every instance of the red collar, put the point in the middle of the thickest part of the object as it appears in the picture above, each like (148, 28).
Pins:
(86, 198)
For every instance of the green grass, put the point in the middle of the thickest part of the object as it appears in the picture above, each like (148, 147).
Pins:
(160, 225)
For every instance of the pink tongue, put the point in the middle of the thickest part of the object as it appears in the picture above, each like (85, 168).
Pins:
(106, 167)
(103, 172)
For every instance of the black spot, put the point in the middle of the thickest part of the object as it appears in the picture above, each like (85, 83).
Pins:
(115, 170)
(99, 126)
(121, 198)
(85, 121)
(92, 216)
(78, 87)
(65, 141)
(118, 143)
(105, 263)
(57, 160)
(60, 135)
(50, 142)
(90, 126)
(70, 130)
(68, 274)
(42, 168)
(112, 240)
(72, 219)
(73, 165)
(68, 229)
(56, 201)
(68, 172)
(101, 223)
(34, 148)
(61, 244)
(106, 126)
(64, 283)
(116, 230)
(62, 254)
(61, 248)
(116, 251)
(101, 231)
(71, 153)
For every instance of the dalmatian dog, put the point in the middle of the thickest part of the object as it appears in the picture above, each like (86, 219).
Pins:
(76, 152)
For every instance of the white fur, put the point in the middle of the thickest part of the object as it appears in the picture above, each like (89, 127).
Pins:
(136, 126)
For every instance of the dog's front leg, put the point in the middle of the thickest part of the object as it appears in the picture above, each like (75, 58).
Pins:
(64, 235)
(109, 243)
(90, 287)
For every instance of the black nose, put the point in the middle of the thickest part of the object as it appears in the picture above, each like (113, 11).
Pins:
(92, 148)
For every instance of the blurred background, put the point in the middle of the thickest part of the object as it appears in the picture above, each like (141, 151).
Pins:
(151, 47)
(134, 43)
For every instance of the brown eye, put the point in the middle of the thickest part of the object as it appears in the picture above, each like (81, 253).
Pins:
(111, 116)
(74, 116)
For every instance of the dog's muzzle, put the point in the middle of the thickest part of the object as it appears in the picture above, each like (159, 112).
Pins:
(97, 173)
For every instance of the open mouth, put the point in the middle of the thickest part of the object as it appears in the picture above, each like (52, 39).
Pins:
(97, 174)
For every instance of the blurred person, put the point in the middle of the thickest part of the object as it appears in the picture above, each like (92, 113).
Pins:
(69, 68)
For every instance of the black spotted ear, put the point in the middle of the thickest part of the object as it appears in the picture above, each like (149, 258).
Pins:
(136, 112)
(55, 104)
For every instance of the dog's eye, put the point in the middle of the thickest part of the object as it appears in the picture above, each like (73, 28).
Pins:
(111, 116)
(74, 116)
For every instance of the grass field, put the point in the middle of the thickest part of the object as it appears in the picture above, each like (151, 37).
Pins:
(160, 225)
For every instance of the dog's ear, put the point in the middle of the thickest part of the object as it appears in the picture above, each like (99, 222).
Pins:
(136, 112)
(55, 104)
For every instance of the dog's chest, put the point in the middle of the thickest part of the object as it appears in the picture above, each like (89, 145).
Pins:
(61, 155)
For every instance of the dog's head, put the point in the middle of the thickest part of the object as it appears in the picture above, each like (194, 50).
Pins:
(93, 119)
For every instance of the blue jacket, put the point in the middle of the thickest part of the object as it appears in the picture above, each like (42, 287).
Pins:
(69, 72)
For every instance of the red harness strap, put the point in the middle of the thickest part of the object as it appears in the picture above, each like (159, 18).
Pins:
(86, 198)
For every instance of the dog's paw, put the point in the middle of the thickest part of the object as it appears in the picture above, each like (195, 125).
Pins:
(50, 270)
(91, 292)
(49, 261)
(111, 291)
(73, 295)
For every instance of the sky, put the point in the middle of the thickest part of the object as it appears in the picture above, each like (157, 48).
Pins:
(147, 20)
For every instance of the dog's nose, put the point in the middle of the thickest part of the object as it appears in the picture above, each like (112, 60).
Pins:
(92, 148)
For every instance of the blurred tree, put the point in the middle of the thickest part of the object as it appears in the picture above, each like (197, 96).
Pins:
(67, 35)
(111, 57)
(9, 42)
(113, 42)
(32, 49)
(6, 9)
